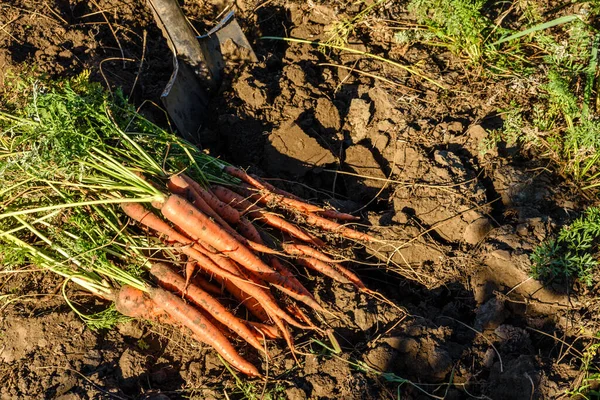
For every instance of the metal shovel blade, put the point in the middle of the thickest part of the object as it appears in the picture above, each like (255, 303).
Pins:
(198, 64)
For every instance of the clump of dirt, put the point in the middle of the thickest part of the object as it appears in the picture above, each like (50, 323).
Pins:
(408, 158)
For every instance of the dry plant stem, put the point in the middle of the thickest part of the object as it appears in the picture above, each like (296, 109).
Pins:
(170, 280)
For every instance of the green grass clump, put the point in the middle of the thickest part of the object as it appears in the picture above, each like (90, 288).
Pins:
(573, 254)
(459, 24)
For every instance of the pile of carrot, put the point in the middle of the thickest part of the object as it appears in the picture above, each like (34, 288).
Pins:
(220, 233)
(78, 159)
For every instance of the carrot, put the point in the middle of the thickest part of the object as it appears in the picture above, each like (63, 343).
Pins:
(206, 286)
(190, 268)
(161, 306)
(307, 251)
(228, 213)
(249, 231)
(294, 310)
(178, 185)
(268, 196)
(332, 226)
(194, 320)
(324, 268)
(270, 331)
(288, 198)
(266, 185)
(264, 297)
(199, 227)
(169, 279)
(352, 277)
(302, 295)
(140, 213)
(135, 303)
(244, 205)
(330, 213)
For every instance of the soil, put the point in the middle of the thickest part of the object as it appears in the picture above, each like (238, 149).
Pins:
(463, 318)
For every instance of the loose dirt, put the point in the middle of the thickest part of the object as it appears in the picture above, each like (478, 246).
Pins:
(463, 319)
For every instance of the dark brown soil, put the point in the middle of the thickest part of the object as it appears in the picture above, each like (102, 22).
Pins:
(466, 320)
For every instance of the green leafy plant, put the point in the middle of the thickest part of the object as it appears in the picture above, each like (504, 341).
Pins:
(587, 387)
(458, 24)
(573, 254)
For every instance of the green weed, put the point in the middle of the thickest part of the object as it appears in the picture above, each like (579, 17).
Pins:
(458, 24)
(512, 133)
(587, 388)
(573, 254)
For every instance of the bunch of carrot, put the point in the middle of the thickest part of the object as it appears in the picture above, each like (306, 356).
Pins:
(213, 227)
(66, 160)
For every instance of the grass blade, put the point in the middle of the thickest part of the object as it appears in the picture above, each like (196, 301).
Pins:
(590, 75)
(540, 27)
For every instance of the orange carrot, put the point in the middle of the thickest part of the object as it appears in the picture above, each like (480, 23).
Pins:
(135, 303)
(330, 213)
(237, 201)
(352, 277)
(199, 227)
(270, 331)
(266, 195)
(161, 306)
(207, 286)
(194, 320)
(228, 213)
(324, 268)
(306, 251)
(260, 184)
(249, 231)
(178, 185)
(263, 296)
(302, 295)
(169, 279)
(332, 226)
(139, 213)
(266, 185)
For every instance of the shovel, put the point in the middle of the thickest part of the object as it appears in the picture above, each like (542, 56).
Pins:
(198, 64)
